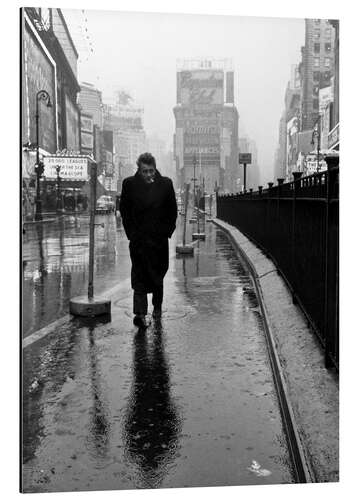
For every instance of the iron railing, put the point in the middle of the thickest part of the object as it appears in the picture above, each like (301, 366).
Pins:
(296, 224)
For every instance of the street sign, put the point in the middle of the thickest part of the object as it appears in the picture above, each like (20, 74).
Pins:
(245, 158)
(72, 167)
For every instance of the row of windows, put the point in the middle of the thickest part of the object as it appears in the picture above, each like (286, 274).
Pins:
(327, 62)
(318, 76)
(318, 45)
(318, 32)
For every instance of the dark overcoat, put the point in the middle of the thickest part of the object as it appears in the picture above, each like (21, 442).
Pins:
(149, 213)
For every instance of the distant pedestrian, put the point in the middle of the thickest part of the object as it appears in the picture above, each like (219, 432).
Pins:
(149, 211)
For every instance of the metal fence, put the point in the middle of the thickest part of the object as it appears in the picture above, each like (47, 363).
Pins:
(297, 225)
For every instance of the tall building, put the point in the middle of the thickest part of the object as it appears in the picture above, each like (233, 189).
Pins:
(333, 141)
(129, 139)
(317, 68)
(90, 101)
(206, 133)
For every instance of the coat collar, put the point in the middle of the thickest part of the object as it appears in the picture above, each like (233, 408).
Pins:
(139, 179)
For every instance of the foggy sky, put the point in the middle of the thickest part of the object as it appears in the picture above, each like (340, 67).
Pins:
(138, 52)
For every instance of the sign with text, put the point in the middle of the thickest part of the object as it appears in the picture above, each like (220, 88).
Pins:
(72, 167)
(245, 158)
(203, 87)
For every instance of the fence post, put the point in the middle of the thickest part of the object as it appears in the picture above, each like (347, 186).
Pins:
(296, 176)
(331, 264)
(269, 222)
(260, 188)
(280, 183)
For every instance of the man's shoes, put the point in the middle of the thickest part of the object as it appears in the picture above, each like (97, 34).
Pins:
(157, 313)
(140, 321)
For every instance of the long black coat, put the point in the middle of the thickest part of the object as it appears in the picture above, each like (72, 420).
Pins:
(149, 213)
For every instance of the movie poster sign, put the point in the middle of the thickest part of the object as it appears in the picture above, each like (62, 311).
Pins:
(72, 168)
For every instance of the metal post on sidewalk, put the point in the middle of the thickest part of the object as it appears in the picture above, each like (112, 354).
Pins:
(185, 249)
(194, 214)
(200, 235)
(90, 305)
(209, 219)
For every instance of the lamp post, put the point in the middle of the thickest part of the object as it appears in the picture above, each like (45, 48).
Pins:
(317, 134)
(42, 95)
(58, 207)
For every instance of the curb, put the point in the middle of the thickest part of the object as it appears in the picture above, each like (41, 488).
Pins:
(298, 452)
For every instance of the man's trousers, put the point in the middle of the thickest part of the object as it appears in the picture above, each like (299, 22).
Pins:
(140, 302)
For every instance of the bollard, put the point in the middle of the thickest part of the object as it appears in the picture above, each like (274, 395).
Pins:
(185, 249)
(89, 305)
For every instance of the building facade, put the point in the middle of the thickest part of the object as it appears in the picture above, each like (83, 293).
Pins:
(129, 138)
(206, 131)
(307, 128)
(49, 62)
(317, 68)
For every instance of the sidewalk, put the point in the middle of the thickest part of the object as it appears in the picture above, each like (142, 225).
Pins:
(313, 390)
(189, 402)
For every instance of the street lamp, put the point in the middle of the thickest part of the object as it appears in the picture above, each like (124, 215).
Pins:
(58, 169)
(317, 134)
(42, 95)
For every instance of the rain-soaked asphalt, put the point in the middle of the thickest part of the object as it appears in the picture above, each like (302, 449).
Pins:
(55, 265)
(191, 402)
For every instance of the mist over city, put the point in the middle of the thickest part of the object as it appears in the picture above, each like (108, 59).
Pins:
(138, 52)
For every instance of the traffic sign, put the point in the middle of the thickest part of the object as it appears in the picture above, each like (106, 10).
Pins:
(245, 158)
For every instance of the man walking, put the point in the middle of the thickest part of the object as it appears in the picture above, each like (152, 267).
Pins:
(149, 211)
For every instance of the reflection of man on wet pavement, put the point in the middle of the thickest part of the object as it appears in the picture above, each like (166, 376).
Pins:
(152, 422)
(149, 211)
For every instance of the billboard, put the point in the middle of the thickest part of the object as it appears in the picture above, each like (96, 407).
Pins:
(39, 74)
(202, 138)
(201, 87)
(72, 167)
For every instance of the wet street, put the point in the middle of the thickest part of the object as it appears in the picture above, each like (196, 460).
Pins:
(55, 265)
(189, 402)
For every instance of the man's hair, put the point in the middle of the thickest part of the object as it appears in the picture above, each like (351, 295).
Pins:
(147, 159)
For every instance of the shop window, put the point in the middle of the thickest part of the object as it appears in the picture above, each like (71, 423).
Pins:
(316, 48)
(327, 47)
(316, 62)
(315, 104)
(327, 62)
(316, 34)
(316, 76)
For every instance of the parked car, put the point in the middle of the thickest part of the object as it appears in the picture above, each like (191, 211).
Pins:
(105, 204)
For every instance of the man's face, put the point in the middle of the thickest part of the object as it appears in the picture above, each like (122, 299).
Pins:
(147, 173)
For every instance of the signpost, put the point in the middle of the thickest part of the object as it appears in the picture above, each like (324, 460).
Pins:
(185, 249)
(89, 305)
(245, 159)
